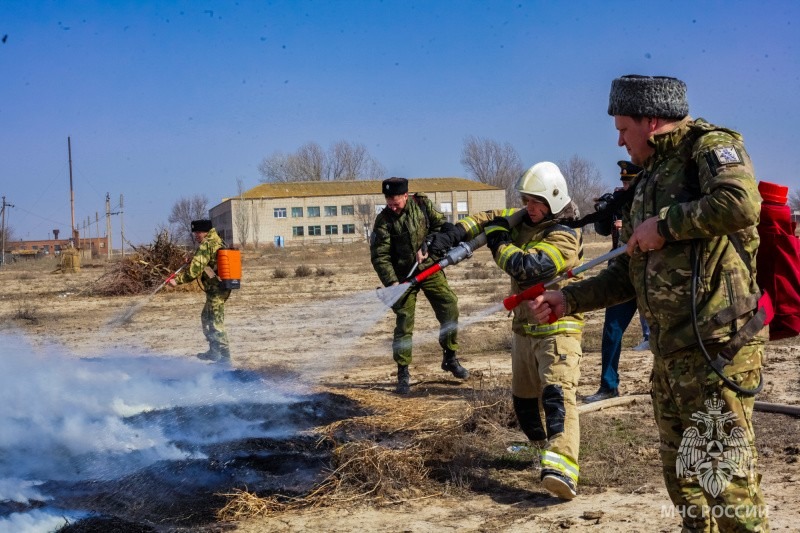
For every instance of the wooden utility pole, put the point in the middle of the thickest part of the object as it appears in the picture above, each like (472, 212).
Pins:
(75, 234)
(121, 227)
(108, 226)
(3, 231)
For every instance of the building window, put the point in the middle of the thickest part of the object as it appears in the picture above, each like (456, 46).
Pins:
(348, 229)
(330, 211)
(348, 210)
(462, 216)
(331, 229)
(315, 230)
(461, 207)
(379, 208)
(446, 207)
(313, 211)
(297, 212)
(279, 212)
(364, 209)
(297, 231)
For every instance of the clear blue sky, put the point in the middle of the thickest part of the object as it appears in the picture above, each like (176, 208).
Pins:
(164, 100)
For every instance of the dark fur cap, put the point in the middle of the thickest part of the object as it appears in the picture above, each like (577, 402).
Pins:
(201, 225)
(394, 186)
(648, 96)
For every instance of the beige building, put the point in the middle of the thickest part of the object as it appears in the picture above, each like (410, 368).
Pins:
(314, 212)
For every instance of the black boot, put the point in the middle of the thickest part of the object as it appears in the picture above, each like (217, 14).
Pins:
(403, 378)
(451, 364)
(210, 355)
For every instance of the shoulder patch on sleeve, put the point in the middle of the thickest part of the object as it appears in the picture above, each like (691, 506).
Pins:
(727, 155)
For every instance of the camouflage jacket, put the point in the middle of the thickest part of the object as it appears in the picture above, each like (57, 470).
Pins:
(537, 253)
(205, 256)
(396, 238)
(701, 186)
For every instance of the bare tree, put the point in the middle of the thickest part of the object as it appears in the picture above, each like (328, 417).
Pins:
(343, 161)
(490, 162)
(256, 223)
(794, 200)
(275, 168)
(365, 207)
(183, 212)
(351, 161)
(309, 163)
(583, 181)
(241, 221)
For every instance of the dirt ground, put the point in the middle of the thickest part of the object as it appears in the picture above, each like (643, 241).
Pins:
(325, 332)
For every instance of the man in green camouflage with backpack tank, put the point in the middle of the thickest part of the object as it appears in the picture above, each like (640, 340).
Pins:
(397, 247)
(690, 229)
(203, 267)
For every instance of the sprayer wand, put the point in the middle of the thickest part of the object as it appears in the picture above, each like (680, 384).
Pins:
(171, 277)
(532, 292)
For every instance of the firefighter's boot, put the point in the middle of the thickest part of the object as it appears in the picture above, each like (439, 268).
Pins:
(403, 379)
(210, 355)
(450, 364)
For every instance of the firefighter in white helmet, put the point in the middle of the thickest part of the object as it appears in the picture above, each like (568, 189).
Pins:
(544, 358)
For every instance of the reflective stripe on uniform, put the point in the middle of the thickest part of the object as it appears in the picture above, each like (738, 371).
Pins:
(559, 326)
(553, 253)
(473, 229)
(506, 254)
(550, 459)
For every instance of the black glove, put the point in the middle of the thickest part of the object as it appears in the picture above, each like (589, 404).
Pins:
(447, 237)
(498, 232)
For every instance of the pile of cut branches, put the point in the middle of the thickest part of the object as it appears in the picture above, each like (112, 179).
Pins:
(144, 270)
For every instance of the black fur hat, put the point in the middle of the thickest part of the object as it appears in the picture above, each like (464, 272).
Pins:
(201, 225)
(394, 186)
(648, 96)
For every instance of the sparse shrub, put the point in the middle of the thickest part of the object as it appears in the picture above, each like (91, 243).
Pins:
(477, 273)
(280, 273)
(303, 271)
(27, 310)
(323, 271)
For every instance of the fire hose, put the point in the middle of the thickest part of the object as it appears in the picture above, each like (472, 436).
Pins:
(456, 254)
(532, 292)
(463, 250)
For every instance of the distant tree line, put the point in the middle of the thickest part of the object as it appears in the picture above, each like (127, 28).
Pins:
(485, 160)
(342, 161)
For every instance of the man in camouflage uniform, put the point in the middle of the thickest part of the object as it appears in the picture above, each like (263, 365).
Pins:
(544, 357)
(697, 198)
(396, 247)
(203, 266)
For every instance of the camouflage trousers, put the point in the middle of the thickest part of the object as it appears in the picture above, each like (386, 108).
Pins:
(544, 378)
(212, 319)
(445, 306)
(708, 452)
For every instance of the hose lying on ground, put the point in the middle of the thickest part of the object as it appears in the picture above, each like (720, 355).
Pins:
(765, 407)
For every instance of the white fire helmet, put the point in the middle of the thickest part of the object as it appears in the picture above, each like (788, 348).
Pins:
(545, 181)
